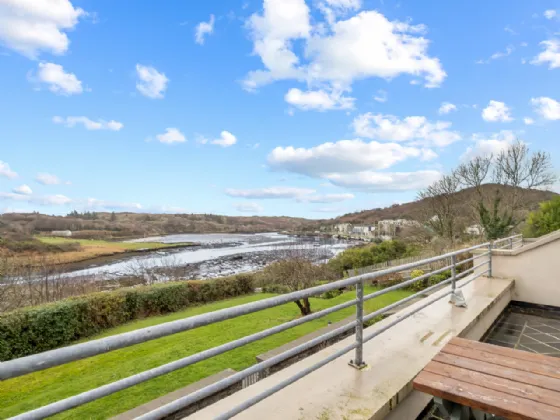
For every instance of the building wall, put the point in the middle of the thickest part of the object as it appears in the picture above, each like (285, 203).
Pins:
(535, 268)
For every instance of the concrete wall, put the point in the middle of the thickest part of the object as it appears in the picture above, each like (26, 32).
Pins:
(535, 268)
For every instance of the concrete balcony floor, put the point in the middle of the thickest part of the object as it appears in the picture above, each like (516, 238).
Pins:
(394, 358)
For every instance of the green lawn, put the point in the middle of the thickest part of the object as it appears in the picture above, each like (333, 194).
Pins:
(35, 390)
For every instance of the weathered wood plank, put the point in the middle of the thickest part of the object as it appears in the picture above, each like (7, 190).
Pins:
(505, 351)
(508, 386)
(485, 399)
(534, 367)
(545, 382)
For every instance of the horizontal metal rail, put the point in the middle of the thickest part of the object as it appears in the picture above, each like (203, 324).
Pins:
(25, 365)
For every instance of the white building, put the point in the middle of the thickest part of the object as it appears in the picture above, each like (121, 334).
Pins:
(363, 230)
(474, 230)
(343, 228)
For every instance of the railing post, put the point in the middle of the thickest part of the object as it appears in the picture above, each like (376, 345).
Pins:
(510, 243)
(358, 361)
(490, 259)
(457, 297)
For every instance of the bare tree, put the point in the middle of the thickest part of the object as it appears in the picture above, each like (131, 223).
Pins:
(442, 205)
(511, 173)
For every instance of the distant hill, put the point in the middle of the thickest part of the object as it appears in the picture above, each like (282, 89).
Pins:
(416, 210)
(119, 225)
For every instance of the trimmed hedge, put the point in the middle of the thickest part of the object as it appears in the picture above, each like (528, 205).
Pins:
(41, 328)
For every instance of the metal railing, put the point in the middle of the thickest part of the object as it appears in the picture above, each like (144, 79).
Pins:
(45, 360)
(513, 242)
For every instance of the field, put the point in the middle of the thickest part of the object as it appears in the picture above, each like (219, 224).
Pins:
(31, 391)
(92, 248)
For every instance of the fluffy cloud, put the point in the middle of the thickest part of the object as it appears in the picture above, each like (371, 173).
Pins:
(415, 128)
(528, 121)
(320, 100)
(365, 45)
(29, 27)
(248, 207)
(548, 108)
(47, 179)
(345, 156)
(226, 139)
(550, 14)
(325, 198)
(58, 80)
(89, 124)
(171, 135)
(269, 193)
(43, 200)
(23, 189)
(446, 108)
(203, 29)
(550, 55)
(486, 145)
(151, 83)
(496, 111)
(370, 181)
(6, 171)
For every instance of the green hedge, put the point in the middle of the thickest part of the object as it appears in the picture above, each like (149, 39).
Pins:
(37, 329)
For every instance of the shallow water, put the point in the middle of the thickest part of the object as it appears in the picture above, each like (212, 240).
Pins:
(214, 247)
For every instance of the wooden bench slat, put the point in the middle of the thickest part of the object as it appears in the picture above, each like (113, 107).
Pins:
(515, 388)
(484, 356)
(488, 400)
(505, 351)
(546, 382)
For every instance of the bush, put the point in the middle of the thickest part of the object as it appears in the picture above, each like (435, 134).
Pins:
(331, 294)
(419, 285)
(276, 288)
(436, 279)
(545, 220)
(388, 280)
(42, 328)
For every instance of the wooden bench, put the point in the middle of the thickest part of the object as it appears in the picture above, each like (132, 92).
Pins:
(468, 377)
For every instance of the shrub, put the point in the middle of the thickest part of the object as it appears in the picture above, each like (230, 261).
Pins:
(41, 328)
(418, 285)
(388, 280)
(545, 220)
(276, 288)
(436, 278)
(330, 294)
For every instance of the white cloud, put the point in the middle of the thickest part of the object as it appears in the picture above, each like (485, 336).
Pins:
(486, 145)
(6, 171)
(496, 111)
(171, 135)
(43, 200)
(344, 156)
(365, 45)
(47, 179)
(325, 198)
(23, 189)
(226, 139)
(200, 139)
(371, 181)
(446, 108)
(203, 29)
(497, 55)
(93, 203)
(550, 55)
(269, 193)
(89, 124)
(548, 108)
(151, 83)
(381, 96)
(248, 207)
(29, 27)
(550, 14)
(415, 128)
(528, 121)
(320, 100)
(58, 80)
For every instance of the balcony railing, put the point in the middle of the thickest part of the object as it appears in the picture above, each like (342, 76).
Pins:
(41, 361)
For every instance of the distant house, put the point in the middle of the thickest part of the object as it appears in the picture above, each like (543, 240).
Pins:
(474, 230)
(343, 228)
(65, 233)
(363, 230)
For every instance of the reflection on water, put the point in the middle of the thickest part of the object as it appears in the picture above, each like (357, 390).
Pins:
(217, 246)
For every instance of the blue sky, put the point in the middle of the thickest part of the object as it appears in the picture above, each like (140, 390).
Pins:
(284, 107)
